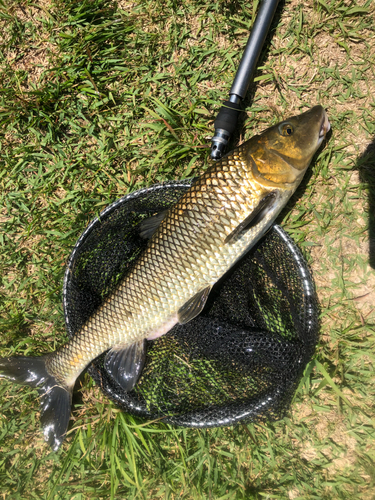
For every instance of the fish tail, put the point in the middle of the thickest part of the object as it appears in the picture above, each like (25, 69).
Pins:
(55, 398)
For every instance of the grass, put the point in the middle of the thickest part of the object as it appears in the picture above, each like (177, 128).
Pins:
(98, 99)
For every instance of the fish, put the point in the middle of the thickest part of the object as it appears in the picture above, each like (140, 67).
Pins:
(190, 247)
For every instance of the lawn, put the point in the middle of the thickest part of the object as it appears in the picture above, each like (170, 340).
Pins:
(98, 99)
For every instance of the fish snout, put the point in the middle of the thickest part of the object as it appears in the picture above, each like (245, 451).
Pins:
(325, 126)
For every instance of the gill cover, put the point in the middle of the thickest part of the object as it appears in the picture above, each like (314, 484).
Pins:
(55, 400)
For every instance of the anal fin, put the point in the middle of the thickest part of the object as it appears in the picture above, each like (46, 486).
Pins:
(125, 364)
(193, 306)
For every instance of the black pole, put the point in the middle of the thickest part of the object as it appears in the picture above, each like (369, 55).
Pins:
(226, 120)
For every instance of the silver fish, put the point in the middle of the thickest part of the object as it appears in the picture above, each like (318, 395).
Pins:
(224, 213)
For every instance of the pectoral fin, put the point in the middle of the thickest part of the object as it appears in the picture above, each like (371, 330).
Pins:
(125, 364)
(149, 226)
(254, 218)
(193, 306)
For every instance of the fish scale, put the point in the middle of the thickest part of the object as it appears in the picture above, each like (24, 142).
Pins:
(187, 272)
(222, 215)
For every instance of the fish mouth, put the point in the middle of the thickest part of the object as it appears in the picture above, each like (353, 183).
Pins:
(325, 127)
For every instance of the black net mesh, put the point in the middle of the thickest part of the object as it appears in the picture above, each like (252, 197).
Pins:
(241, 359)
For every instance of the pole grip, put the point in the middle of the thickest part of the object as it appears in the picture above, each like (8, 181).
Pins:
(227, 117)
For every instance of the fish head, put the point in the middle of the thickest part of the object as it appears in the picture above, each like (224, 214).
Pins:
(279, 156)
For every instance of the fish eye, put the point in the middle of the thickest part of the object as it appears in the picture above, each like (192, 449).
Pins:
(286, 129)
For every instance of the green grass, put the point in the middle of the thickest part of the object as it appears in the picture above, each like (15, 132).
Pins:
(98, 99)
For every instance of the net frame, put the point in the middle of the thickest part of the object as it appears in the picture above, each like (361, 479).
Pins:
(244, 365)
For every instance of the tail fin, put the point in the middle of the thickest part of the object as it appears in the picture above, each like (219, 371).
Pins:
(55, 400)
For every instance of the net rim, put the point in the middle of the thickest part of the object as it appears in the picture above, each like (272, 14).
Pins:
(262, 406)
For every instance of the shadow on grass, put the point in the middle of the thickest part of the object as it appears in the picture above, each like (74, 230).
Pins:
(366, 168)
